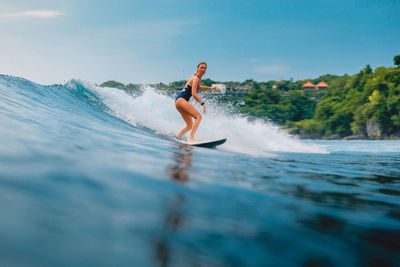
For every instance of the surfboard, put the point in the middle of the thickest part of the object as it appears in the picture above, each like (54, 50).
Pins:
(208, 143)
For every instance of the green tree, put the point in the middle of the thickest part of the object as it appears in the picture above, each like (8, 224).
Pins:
(176, 85)
(396, 60)
(207, 82)
(303, 107)
(367, 69)
(113, 84)
(133, 89)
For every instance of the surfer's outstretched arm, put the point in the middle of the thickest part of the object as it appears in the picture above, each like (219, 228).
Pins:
(204, 88)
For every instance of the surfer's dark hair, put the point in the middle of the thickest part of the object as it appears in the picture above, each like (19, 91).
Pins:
(198, 65)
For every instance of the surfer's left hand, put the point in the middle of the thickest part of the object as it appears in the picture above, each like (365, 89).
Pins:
(204, 109)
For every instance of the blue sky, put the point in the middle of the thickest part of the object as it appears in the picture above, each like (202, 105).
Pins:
(49, 41)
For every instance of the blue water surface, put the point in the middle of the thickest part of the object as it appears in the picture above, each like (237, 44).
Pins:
(81, 187)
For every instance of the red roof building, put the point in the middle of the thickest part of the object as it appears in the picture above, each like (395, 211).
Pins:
(308, 85)
(322, 85)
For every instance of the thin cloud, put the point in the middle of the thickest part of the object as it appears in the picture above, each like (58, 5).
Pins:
(33, 14)
(271, 69)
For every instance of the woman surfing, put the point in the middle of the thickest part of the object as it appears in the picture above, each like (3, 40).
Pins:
(187, 110)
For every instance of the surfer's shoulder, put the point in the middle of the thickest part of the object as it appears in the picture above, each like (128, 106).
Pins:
(192, 79)
(195, 79)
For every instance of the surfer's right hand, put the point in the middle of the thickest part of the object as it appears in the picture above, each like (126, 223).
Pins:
(204, 109)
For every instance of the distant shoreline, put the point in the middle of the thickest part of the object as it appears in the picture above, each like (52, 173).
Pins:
(294, 133)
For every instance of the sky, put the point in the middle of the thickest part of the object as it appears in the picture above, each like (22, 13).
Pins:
(145, 41)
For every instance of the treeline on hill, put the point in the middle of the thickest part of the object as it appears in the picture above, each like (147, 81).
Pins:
(366, 104)
(132, 89)
(363, 105)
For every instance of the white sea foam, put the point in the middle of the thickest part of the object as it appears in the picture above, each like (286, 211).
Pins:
(157, 112)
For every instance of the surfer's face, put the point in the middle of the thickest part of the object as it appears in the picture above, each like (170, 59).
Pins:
(202, 69)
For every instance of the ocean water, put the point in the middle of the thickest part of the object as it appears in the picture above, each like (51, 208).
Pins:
(89, 176)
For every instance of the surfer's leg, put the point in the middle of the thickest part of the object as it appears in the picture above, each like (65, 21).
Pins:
(197, 119)
(188, 119)
(185, 107)
(185, 116)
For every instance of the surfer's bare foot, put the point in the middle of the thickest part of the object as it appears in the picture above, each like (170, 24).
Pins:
(191, 140)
